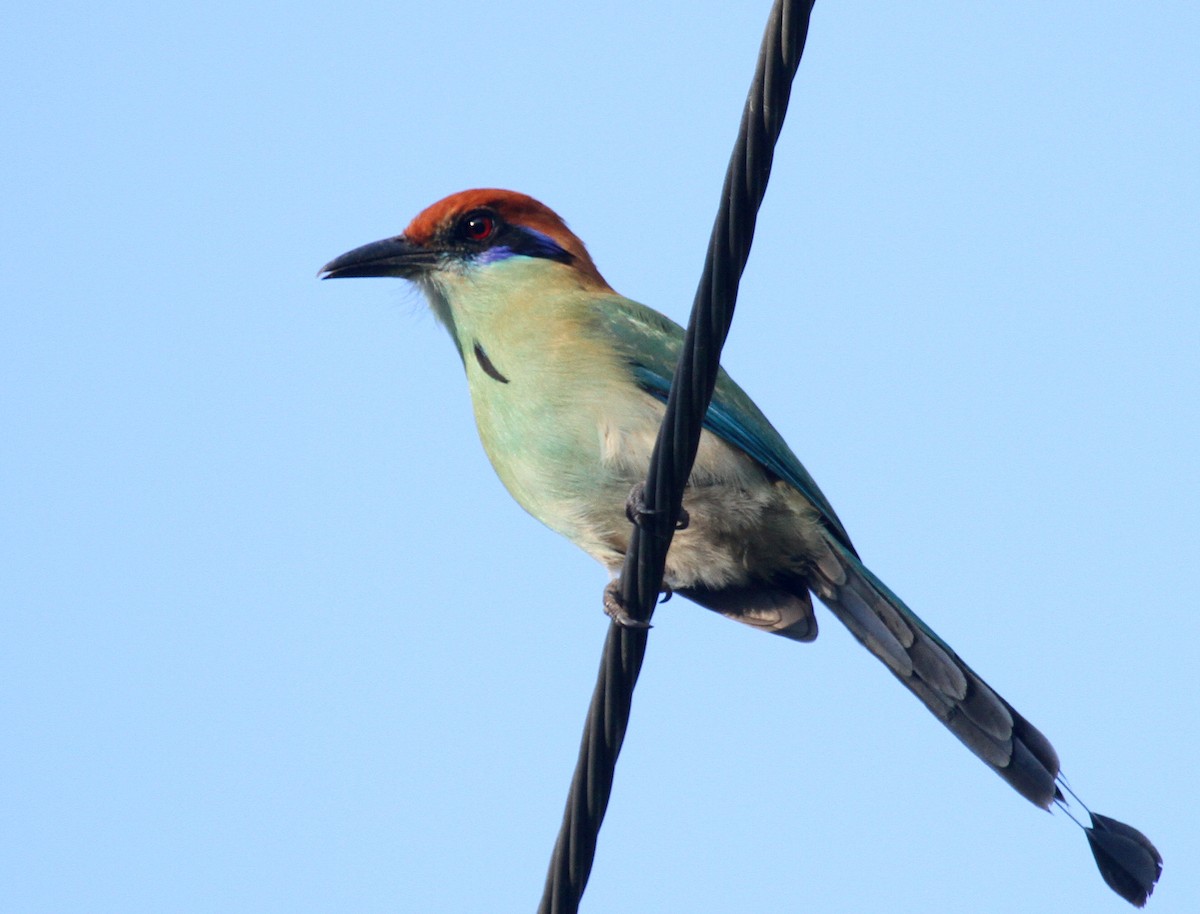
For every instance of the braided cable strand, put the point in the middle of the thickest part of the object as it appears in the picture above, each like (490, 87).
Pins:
(675, 450)
(716, 296)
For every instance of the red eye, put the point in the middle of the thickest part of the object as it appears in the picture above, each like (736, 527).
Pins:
(478, 226)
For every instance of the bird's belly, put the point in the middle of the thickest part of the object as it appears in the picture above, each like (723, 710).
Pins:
(573, 476)
(576, 477)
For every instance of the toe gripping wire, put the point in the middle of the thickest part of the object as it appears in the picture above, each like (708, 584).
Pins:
(674, 453)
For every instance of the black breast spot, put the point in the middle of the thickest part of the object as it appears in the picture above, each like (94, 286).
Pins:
(486, 364)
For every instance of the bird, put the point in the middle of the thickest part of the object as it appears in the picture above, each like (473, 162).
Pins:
(568, 381)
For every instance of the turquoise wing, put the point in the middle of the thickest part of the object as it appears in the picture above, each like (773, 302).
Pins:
(651, 343)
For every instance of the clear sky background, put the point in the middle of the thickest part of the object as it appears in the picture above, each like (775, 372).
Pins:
(273, 638)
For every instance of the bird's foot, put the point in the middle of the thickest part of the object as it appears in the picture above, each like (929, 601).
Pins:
(616, 609)
(636, 510)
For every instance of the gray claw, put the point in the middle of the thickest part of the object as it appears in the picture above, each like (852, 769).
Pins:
(614, 608)
(636, 511)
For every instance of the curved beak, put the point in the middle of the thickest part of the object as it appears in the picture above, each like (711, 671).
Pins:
(391, 257)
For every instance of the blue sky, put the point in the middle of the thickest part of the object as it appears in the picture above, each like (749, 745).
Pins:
(276, 640)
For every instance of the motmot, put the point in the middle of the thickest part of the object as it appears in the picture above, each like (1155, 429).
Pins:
(569, 381)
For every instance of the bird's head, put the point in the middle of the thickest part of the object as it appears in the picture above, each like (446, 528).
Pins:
(468, 234)
(502, 272)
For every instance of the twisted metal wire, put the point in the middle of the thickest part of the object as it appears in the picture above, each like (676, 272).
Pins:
(675, 451)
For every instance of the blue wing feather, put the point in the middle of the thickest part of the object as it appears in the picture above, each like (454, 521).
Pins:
(652, 344)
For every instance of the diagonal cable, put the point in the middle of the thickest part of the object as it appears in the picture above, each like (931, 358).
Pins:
(675, 450)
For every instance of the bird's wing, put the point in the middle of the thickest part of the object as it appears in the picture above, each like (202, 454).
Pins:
(651, 343)
(879, 619)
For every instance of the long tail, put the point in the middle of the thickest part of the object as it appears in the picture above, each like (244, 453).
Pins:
(985, 722)
(988, 725)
